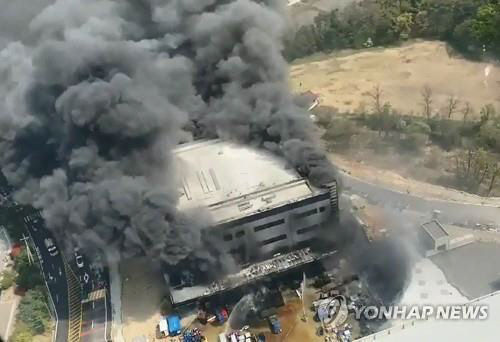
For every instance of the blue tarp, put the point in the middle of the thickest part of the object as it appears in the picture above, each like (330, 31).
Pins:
(174, 325)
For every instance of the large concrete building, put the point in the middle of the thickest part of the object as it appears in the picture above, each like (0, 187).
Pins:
(259, 205)
(260, 208)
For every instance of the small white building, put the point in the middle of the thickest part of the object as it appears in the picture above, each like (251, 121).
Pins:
(436, 237)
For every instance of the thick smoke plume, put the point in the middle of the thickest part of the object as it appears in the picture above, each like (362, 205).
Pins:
(96, 94)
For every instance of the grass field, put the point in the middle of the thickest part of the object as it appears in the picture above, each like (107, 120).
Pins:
(345, 80)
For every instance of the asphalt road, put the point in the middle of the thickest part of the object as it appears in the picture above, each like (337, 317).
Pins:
(63, 292)
(451, 212)
(96, 309)
(55, 277)
(94, 326)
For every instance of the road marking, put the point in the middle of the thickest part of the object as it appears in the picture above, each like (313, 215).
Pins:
(93, 305)
(57, 298)
(92, 324)
(93, 331)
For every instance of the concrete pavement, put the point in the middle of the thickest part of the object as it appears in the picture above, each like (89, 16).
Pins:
(8, 306)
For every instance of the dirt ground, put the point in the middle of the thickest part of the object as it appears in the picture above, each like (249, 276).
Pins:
(142, 292)
(344, 81)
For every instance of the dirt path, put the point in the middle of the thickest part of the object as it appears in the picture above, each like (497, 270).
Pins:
(143, 289)
(397, 182)
(402, 72)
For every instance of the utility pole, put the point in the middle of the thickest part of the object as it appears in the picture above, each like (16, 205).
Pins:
(30, 256)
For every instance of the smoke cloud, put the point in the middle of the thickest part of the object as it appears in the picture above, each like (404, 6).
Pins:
(97, 93)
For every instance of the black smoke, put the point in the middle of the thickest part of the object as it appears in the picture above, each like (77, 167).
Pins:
(97, 93)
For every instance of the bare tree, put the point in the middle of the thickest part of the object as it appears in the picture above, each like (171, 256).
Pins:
(378, 107)
(427, 101)
(466, 111)
(452, 105)
(495, 172)
(473, 167)
(376, 95)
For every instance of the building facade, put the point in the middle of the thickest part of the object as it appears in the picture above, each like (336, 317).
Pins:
(259, 205)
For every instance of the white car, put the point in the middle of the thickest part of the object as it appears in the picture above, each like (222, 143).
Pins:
(51, 247)
(78, 259)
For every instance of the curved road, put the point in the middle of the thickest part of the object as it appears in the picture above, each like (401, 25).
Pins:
(451, 212)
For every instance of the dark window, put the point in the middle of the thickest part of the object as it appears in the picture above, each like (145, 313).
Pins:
(307, 229)
(240, 234)
(227, 237)
(321, 209)
(306, 213)
(269, 225)
(306, 243)
(274, 239)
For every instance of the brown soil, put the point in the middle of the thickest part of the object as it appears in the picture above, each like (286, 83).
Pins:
(401, 72)
(142, 293)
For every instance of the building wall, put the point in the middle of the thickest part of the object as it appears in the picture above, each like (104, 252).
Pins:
(264, 234)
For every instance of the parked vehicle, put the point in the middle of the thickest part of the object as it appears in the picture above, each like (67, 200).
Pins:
(274, 324)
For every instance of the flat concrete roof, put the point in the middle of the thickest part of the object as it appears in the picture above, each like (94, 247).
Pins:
(435, 229)
(233, 180)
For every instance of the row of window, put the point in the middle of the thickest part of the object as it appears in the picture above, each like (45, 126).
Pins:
(229, 237)
(307, 229)
(241, 233)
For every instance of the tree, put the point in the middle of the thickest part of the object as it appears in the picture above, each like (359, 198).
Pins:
(473, 166)
(33, 311)
(489, 134)
(495, 172)
(21, 333)
(466, 111)
(452, 105)
(487, 112)
(28, 274)
(339, 133)
(376, 95)
(427, 101)
(486, 25)
(7, 279)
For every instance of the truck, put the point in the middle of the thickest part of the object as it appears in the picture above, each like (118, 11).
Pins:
(174, 325)
(274, 324)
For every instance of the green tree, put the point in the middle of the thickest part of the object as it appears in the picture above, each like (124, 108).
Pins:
(489, 134)
(340, 133)
(473, 166)
(8, 278)
(21, 333)
(28, 274)
(486, 25)
(33, 311)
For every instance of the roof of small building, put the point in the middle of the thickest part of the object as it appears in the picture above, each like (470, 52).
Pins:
(435, 229)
